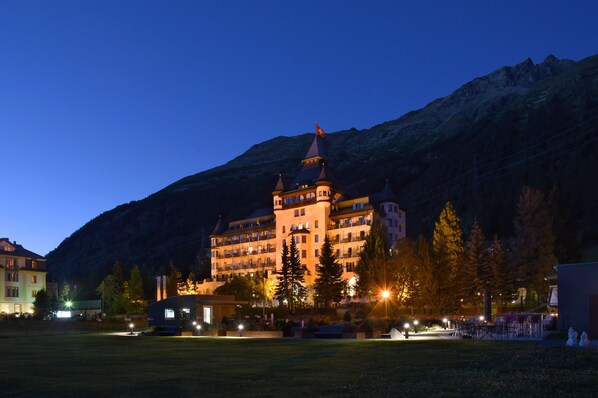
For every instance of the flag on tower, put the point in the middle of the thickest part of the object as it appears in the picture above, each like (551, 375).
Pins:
(319, 131)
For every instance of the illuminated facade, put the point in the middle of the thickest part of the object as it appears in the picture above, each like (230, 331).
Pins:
(312, 207)
(22, 275)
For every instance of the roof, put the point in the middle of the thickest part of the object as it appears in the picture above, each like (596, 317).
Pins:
(18, 250)
(279, 185)
(316, 149)
(220, 226)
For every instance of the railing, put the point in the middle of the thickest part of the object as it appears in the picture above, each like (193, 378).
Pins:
(349, 224)
(229, 242)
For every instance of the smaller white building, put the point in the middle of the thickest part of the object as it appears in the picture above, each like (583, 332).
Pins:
(22, 275)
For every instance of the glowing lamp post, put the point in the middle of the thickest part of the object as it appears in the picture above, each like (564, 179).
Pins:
(241, 327)
(385, 295)
(198, 328)
(68, 304)
(131, 326)
(406, 329)
(415, 324)
(444, 322)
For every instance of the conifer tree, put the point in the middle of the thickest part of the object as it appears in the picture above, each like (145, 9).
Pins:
(134, 292)
(173, 281)
(329, 284)
(371, 269)
(284, 286)
(297, 278)
(469, 278)
(533, 254)
(503, 275)
(447, 247)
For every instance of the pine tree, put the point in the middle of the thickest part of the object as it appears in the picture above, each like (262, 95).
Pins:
(533, 254)
(329, 283)
(469, 274)
(284, 286)
(447, 247)
(173, 281)
(298, 290)
(371, 267)
(503, 275)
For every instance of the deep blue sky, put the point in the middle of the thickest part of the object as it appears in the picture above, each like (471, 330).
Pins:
(106, 102)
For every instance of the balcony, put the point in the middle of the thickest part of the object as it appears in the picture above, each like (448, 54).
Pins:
(346, 224)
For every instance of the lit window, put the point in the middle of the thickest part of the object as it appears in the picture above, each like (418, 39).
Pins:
(307, 224)
(168, 313)
(33, 278)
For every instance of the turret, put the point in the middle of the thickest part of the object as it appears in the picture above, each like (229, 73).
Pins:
(277, 200)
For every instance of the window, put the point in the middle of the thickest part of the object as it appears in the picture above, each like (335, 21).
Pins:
(12, 291)
(33, 278)
(12, 276)
(361, 235)
(396, 208)
(303, 253)
(302, 212)
(350, 267)
(316, 224)
(10, 262)
(284, 229)
(317, 238)
(317, 253)
(349, 252)
(307, 225)
(304, 239)
(297, 213)
(33, 264)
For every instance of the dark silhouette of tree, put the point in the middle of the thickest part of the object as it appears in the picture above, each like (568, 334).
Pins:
(533, 253)
(284, 285)
(329, 284)
(297, 278)
(371, 267)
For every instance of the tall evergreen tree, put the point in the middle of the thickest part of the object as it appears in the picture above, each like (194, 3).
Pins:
(329, 283)
(567, 247)
(283, 285)
(533, 254)
(173, 281)
(447, 247)
(373, 259)
(503, 275)
(298, 289)
(469, 277)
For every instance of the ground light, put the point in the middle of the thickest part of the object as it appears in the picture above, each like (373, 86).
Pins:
(241, 327)
(131, 326)
(481, 318)
(198, 327)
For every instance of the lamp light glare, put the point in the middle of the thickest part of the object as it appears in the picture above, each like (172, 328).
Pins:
(406, 326)
(385, 294)
(416, 322)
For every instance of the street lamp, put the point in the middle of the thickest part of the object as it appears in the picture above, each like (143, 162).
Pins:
(241, 327)
(481, 318)
(406, 329)
(415, 323)
(198, 327)
(131, 326)
(68, 304)
(444, 322)
(385, 295)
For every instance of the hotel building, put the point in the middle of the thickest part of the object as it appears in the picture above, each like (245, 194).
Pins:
(22, 275)
(313, 206)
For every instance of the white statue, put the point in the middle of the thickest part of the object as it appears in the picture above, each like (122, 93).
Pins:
(583, 340)
(572, 337)
(396, 335)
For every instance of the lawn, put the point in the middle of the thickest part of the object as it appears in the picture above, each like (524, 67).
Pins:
(97, 365)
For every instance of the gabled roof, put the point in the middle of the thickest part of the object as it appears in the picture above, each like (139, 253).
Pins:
(17, 250)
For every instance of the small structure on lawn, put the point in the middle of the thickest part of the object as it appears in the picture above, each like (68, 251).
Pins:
(179, 312)
(578, 297)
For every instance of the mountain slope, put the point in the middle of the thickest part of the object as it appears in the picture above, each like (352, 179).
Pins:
(526, 124)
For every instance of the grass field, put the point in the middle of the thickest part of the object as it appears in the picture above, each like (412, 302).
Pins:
(99, 365)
